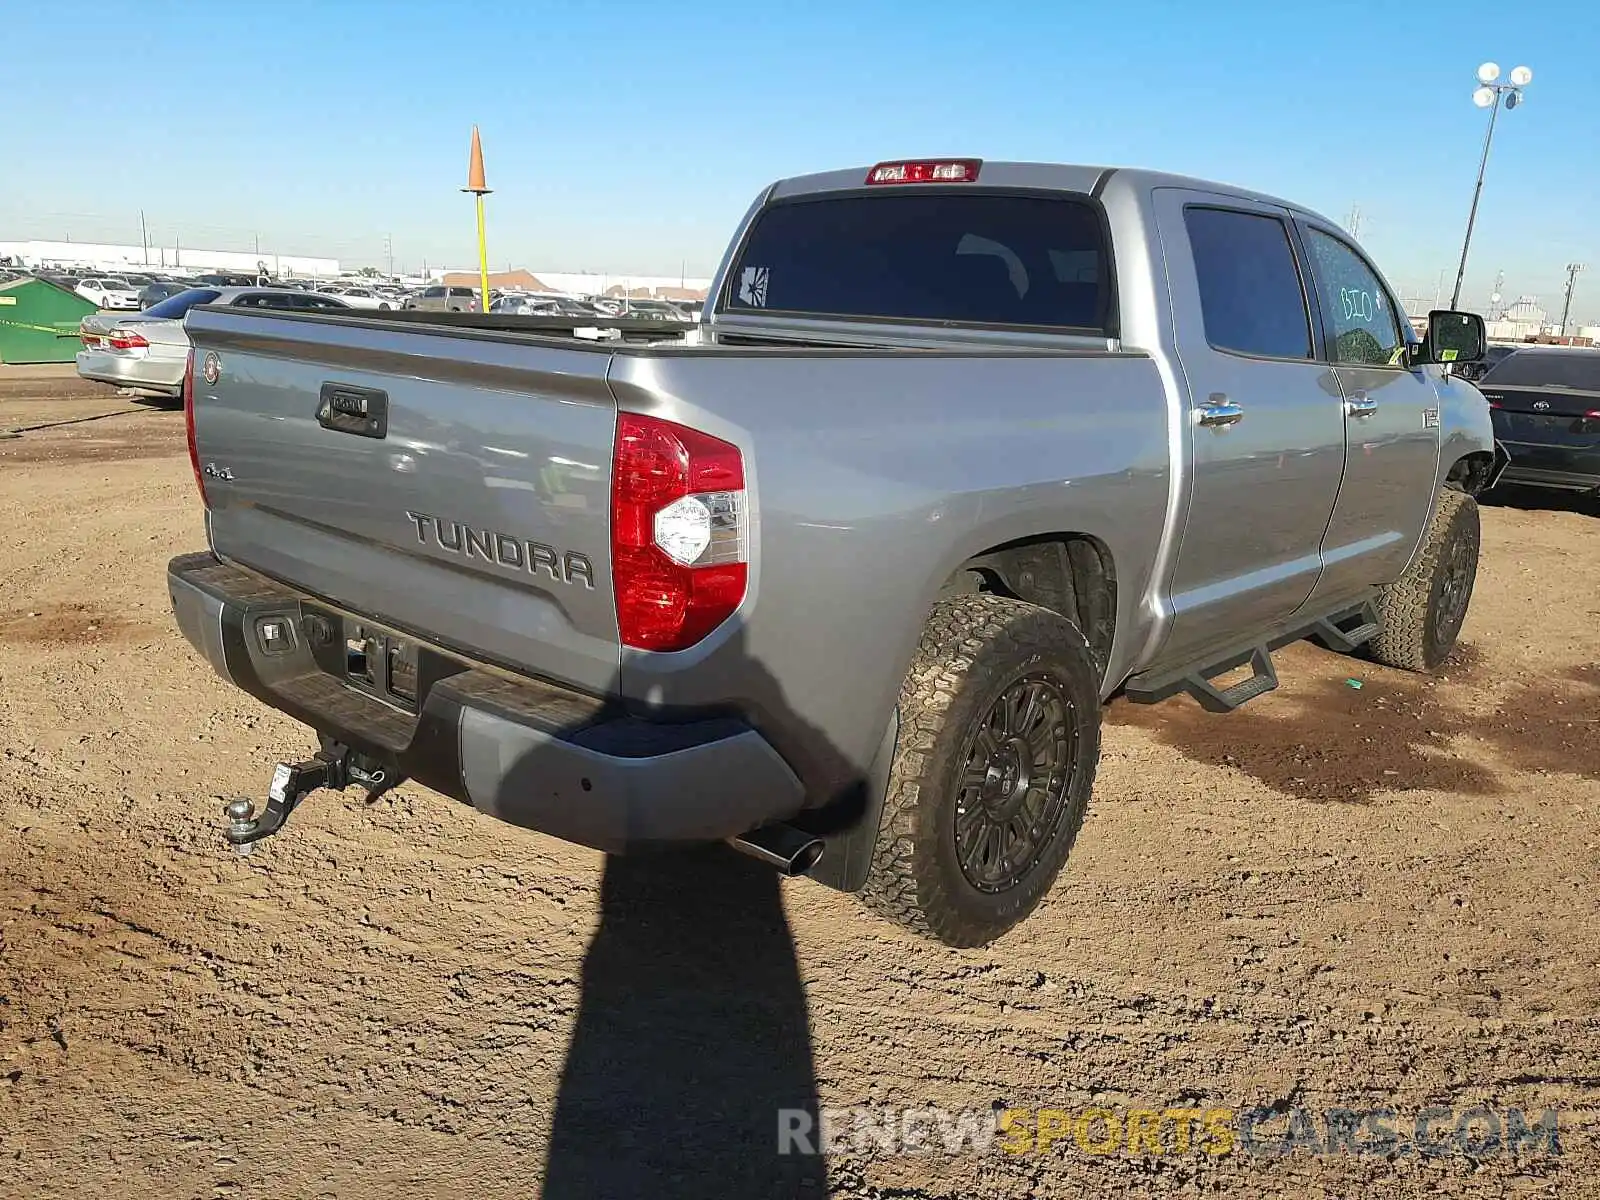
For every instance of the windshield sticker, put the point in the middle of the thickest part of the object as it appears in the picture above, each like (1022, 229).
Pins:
(1357, 305)
(753, 287)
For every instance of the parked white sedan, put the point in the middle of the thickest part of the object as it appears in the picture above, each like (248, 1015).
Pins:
(108, 291)
(357, 296)
(149, 351)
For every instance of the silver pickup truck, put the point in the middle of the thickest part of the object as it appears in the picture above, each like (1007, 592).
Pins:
(958, 451)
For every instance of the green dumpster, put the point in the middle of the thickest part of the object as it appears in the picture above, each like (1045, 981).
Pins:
(39, 321)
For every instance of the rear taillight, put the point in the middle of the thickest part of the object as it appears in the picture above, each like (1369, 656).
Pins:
(126, 339)
(188, 424)
(679, 533)
(948, 170)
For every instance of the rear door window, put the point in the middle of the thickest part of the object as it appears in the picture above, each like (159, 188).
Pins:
(1251, 298)
(939, 257)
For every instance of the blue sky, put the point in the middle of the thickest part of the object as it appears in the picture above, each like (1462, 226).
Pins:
(631, 136)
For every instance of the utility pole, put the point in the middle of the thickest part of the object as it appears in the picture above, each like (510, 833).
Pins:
(1353, 222)
(388, 254)
(258, 245)
(1572, 282)
(144, 238)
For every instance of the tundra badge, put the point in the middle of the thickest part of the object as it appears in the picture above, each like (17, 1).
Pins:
(503, 550)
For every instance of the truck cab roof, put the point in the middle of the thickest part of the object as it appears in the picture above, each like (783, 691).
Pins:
(1063, 177)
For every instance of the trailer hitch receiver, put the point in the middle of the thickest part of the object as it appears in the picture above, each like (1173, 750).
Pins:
(335, 766)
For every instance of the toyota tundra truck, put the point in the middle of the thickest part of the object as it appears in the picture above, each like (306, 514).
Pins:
(843, 573)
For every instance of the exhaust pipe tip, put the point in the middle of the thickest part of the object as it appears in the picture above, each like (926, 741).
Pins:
(787, 850)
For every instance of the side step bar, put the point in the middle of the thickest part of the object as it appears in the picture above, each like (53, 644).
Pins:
(1342, 631)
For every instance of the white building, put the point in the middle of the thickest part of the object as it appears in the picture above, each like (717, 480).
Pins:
(104, 257)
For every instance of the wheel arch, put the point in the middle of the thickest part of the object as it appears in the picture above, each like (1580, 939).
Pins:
(1475, 471)
(1069, 572)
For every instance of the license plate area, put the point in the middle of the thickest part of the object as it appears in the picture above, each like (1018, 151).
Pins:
(365, 656)
(377, 662)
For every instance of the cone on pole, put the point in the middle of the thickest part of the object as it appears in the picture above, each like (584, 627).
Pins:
(479, 188)
(475, 180)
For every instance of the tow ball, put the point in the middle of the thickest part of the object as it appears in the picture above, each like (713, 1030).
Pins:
(335, 766)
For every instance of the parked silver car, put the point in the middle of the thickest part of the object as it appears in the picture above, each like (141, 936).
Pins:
(148, 351)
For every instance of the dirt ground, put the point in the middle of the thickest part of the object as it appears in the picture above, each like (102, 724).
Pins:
(1338, 897)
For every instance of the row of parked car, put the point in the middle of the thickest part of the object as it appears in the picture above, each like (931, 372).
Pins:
(135, 291)
(147, 351)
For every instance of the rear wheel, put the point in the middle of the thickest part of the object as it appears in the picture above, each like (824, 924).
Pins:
(1423, 610)
(999, 740)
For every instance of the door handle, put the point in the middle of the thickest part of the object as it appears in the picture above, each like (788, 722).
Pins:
(1360, 405)
(1219, 410)
(346, 408)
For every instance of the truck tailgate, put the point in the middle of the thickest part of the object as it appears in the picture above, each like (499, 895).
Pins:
(437, 480)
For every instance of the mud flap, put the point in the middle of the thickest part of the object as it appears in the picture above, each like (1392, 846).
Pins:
(849, 829)
(1502, 460)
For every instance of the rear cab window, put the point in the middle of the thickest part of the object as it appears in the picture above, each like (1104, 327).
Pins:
(968, 257)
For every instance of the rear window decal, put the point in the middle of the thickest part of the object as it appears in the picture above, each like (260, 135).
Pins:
(753, 287)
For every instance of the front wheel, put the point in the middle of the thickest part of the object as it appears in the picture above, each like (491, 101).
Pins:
(1422, 611)
(999, 740)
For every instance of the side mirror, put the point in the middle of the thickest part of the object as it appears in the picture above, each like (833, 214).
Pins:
(1452, 337)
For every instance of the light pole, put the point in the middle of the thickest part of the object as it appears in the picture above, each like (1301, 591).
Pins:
(1488, 96)
(1572, 283)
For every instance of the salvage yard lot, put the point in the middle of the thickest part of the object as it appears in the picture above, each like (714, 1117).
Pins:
(1382, 896)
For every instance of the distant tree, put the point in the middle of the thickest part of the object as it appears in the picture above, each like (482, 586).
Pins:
(368, 272)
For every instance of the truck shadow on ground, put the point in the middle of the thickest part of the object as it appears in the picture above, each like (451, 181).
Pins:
(692, 1046)
(1535, 499)
(691, 1037)
(1324, 740)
